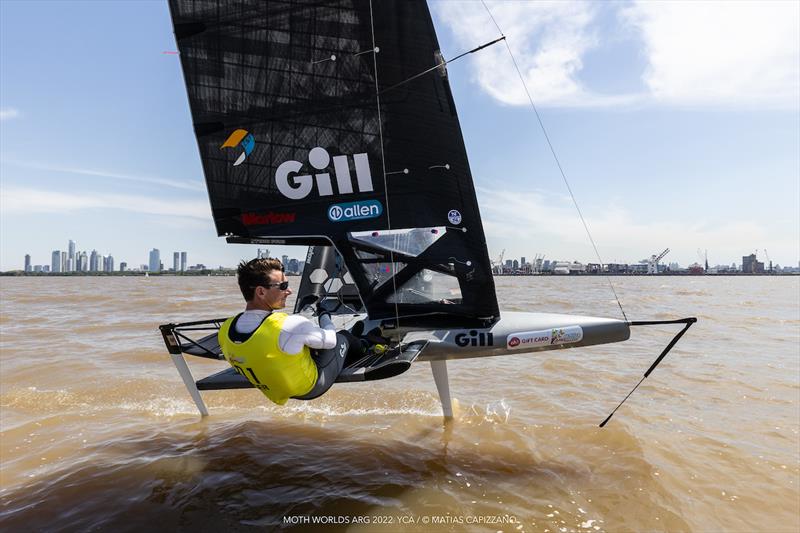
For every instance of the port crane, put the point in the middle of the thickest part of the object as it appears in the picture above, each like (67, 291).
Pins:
(769, 260)
(703, 257)
(652, 263)
(498, 265)
(537, 263)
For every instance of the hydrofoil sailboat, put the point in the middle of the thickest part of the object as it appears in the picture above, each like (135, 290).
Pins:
(332, 125)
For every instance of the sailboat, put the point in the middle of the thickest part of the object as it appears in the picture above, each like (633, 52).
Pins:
(332, 125)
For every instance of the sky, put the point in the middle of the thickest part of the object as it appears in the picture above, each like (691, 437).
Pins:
(677, 125)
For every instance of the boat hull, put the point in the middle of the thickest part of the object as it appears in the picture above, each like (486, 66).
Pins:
(518, 333)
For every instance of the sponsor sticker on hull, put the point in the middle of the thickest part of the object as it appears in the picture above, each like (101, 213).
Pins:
(545, 337)
(473, 338)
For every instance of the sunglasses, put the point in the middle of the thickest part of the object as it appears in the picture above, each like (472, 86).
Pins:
(283, 285)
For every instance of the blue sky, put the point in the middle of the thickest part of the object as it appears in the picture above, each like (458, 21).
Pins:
(677, 125)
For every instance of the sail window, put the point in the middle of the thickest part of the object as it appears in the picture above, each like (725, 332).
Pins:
(378, 273)
(361, 254)
(409, 241)
(428, 286)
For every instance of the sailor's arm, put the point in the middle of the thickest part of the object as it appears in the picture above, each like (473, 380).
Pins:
(298, 331)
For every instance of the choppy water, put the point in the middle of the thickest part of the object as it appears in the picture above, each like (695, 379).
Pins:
(98, 432)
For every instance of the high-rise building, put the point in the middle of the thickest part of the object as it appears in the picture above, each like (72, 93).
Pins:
(64, 262)
(71, 256)
(176, 257)
(155, 261)
(183, 261)
(37, 268)
(751, 265)
(285, 260)
(522, 262)
(55, 261)
(108, 263)
(27, 262)
(94, 261)
(81, 262)
(123, 266)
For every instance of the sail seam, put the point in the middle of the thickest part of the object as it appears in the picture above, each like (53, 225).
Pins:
(555, 157)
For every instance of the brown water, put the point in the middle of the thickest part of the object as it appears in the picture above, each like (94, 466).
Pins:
(98, 431)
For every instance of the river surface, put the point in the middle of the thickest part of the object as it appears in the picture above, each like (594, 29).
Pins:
(98, 432)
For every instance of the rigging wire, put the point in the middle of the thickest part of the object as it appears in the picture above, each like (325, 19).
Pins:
(443, 63)
(383, 161)
(555, 157)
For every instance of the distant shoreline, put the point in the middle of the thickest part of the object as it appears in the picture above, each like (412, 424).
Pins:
(207, 272)
(645, 274)
(20, 273)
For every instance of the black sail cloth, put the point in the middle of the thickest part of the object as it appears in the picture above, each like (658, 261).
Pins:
(296, 148)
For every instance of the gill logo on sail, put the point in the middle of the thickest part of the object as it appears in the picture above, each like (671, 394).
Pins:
(243, 139)
(297, 186)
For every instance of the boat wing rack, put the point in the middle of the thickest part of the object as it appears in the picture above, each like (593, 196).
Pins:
(179, 341)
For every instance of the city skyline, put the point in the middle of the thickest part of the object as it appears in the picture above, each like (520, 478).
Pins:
(687, 144)
(73, 260)
(81, 261)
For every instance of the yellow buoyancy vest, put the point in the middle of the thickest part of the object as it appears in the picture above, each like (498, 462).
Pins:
(259, 358)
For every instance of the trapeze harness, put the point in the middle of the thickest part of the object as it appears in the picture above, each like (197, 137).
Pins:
(280, 375)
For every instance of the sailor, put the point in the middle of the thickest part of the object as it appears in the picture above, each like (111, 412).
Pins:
(272, 349)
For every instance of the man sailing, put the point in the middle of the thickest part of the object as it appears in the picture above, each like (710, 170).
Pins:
(272, 349)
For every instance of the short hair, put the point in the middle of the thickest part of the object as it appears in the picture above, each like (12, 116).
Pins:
(254, 273)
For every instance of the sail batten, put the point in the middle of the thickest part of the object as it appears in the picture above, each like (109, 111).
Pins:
(295, 146)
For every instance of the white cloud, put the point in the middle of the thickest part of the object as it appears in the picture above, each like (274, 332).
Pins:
(18, 200)
(721, 53)
(187, 185)
(548, 40)
(547, 224)
(8, 113)
(697, 53)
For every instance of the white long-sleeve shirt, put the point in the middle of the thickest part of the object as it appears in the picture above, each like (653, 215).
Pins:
(297, 331)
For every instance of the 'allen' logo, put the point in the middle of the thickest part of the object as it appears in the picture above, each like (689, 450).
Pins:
(473, 338)
(243, 139)
(297, 186)
(355, 211)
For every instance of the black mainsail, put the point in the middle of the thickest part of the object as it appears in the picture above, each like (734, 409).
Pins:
(313, 129)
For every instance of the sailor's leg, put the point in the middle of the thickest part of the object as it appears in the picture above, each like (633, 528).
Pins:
(188, 380)
(357, 347)
(329, 366)
(439, 369)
